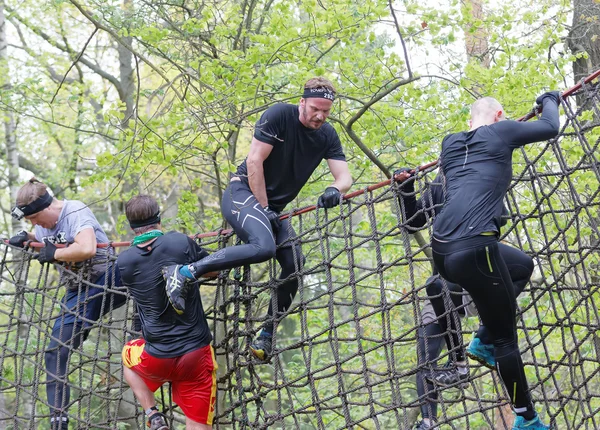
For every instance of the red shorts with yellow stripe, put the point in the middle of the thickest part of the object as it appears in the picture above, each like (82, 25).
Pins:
(193, 377)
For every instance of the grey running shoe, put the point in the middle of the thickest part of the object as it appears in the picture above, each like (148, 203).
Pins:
(158, 422)
(448, 376)
(422, 425)
(177, 287)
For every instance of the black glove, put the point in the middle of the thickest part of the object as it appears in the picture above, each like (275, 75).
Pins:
(330, 198)
(554, 95)
(46, 254)
(19, 239)
(409, 183)
(273, 218)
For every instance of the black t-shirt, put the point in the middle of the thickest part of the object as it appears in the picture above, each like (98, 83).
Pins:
(166, 333)
(297, 151)
(477, 166)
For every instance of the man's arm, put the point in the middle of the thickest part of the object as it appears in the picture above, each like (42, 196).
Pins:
(259, 151)
(417, 212)
(341, 175)
(521, 133)
(83, 248)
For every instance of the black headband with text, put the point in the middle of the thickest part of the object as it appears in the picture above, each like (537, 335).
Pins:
(319, 92)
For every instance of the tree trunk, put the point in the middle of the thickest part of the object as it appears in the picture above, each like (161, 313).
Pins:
(12, 154)
(476, 37)
(583, 39)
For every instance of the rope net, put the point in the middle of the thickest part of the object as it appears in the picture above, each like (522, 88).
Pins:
(345, 353)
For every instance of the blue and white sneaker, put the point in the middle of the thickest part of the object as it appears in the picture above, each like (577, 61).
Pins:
(533, 424)
(482, 353)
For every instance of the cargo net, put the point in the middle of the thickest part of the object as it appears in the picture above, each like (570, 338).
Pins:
(345, 353)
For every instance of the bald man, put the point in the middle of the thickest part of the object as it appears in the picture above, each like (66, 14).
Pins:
(477, 166)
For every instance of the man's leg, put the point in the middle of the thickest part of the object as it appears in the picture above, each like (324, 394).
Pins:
(520, 266)
(429, 347)
(139, 388)
(484, 274)
(448, 316)
(247, 218)
(145, 396)
(290, 258)
(137, 367)
(190, 424)
(194, 387)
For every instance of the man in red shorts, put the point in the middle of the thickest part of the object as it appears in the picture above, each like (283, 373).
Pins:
(175, 347)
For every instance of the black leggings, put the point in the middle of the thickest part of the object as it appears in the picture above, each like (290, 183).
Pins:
(520, 266)
(477, 265)
(246, 216)
(448, 319)
(429, 347)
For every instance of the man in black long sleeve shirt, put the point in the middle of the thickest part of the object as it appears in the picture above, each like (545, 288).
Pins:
(448, 314)
(477, 166)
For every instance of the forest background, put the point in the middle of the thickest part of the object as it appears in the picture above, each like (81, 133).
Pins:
(103, 100)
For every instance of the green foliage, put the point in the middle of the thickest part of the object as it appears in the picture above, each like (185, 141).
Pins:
(203, 74)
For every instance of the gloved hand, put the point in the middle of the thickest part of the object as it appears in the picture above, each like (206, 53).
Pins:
(330, 198)
(554, 95)
(46, 254)
(407, 178)
(19, 239)
(273, 218)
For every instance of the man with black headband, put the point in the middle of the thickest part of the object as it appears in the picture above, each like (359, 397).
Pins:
(289, 142)
(174, 347)
(70, 223)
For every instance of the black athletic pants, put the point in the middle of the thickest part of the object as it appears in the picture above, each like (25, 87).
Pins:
(477, 265)
(448, 319)
(429, 347)
(246, 216)
(520, 267)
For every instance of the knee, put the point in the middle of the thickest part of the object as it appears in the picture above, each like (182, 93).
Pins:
(265, 250)
(525, 268)
(434, 287)
(291, 260)
(54, 355)
(521, 269)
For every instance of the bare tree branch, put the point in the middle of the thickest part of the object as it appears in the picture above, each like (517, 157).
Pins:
(393, 12)
(73, 64)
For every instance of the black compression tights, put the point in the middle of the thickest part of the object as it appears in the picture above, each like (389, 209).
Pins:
(477, 266)
(520, 266)
(246, 216)
(448, 317)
